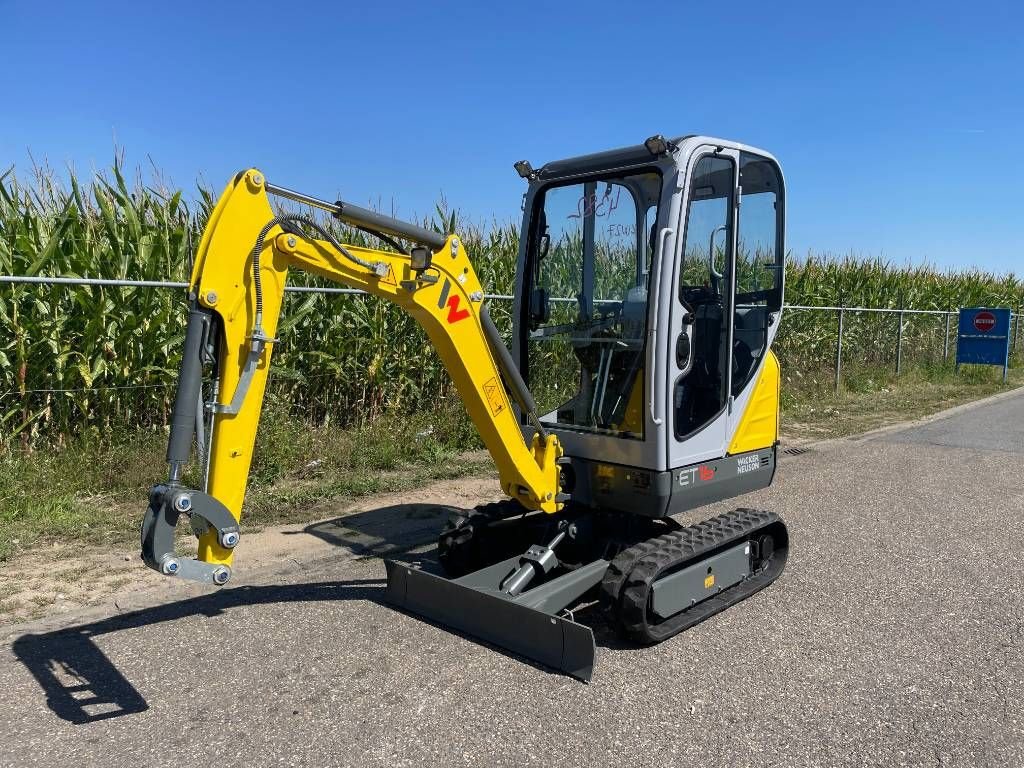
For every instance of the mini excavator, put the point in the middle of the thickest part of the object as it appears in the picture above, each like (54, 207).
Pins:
(639, 384)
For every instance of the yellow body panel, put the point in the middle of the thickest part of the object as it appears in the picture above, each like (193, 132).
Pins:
(759, 427)
(633, 418)
(446, 300)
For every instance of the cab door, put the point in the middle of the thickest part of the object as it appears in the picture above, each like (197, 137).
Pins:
(702, 325)
(758, 266)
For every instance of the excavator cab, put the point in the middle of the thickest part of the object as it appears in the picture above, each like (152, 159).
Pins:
(647, 300)
(639, 384)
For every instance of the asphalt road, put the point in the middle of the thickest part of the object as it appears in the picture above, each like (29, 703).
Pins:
(894, 637)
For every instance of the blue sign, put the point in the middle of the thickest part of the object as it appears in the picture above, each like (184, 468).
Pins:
(983, 337)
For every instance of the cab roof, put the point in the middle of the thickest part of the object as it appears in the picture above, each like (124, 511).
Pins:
(622, 157)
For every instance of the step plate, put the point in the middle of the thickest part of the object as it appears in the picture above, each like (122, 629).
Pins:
(553, 641)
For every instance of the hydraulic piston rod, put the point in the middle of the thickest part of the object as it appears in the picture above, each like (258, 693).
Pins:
(363, 217)
(536, 560)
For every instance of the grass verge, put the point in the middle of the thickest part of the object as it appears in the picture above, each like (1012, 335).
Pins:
(93, 491)
(873, 397)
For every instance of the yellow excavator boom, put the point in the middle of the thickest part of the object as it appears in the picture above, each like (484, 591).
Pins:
(236, 288)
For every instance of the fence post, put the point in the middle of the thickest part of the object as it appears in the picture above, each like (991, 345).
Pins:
(1016, 330)
(899, 343)
(945, 341)
(839, 348)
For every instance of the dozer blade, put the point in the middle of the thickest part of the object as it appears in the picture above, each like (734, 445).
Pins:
(519, 624)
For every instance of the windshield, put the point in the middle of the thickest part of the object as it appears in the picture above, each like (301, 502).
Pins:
(590, 252)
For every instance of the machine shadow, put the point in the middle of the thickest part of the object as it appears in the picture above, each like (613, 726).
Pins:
(384, 531)
(82, 685)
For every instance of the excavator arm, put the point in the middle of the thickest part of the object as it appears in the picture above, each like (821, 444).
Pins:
(235, 294)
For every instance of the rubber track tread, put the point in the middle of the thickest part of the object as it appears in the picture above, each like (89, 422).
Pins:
(615, 577)
(626, 588)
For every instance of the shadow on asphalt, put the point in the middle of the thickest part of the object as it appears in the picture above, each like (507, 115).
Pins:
(82, 685)
(382, 531)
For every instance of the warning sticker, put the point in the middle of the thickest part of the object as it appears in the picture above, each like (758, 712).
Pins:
(495, 397)
(390, 278)
(709, 581)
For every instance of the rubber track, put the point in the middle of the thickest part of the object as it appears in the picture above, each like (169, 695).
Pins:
(626, 588)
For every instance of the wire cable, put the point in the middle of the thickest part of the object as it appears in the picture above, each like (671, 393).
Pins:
(17, 393)
(382, 237)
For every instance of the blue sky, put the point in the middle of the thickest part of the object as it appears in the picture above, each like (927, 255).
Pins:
(897, 124)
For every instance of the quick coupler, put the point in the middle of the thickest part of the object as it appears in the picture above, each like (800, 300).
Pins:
(167, 503)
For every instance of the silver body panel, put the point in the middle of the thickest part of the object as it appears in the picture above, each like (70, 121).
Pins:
(659, 450)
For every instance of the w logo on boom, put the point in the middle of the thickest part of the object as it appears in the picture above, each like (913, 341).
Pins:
(452, 302)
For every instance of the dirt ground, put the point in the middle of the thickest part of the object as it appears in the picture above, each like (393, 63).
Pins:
(61, 579)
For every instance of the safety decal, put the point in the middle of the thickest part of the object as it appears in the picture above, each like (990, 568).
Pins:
(495, 397)
(389, 278)
(452, 302)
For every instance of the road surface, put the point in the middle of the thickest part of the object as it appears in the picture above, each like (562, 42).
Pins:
(894, 637)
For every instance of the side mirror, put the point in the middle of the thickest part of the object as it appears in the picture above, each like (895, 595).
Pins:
(683, 351)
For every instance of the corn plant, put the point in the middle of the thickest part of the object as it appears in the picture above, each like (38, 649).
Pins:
(89, 361)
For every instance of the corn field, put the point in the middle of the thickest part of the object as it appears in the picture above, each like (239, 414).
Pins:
(90, 360)
(807, 340)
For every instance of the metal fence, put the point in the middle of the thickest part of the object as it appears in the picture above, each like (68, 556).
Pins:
(946, 319)
(840, 313)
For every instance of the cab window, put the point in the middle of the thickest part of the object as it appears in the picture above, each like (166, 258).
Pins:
(759, 262)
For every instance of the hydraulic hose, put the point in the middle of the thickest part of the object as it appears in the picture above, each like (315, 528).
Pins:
(295, 219)
(509, 371)
(183, 417)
